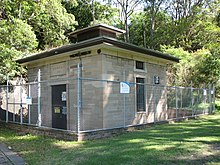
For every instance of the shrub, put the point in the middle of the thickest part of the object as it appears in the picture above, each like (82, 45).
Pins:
(217, 105)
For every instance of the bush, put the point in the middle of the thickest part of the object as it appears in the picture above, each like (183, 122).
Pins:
(217, 105)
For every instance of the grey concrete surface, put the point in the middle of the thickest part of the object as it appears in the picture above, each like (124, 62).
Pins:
(8, 157)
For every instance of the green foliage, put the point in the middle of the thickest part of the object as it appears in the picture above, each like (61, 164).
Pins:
(140, 24)
(51, 22)
(217, 105)
(17, 39)
(190, 31)
(217, 89)
(218, 19)
(193, 37)
(18, 35)
(27, 26)
(191, 28)
(137, 29)
(48, 18)
(8, 66)
(205, 33)
(83, 14)
(207, 70)
(198, 68)
(105, 14)
(179, 74)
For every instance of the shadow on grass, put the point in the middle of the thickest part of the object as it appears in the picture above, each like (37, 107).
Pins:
(189, 142)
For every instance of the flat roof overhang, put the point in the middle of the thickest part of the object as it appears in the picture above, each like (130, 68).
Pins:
(93, 42)
(98, 26)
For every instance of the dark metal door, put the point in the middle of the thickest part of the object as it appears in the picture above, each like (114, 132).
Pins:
(59, 109)
(140, 94)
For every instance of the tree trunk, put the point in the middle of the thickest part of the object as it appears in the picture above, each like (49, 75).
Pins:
(93, 12)
(152, 25)
(127, 30)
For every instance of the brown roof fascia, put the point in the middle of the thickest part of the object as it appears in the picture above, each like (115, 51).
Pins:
(59, 50)
(96, 41)
(135, 48)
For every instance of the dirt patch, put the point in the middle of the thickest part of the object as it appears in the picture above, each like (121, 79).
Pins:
(206, 156)
(215, 147)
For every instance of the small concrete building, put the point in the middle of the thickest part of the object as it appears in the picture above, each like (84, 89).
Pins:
(105, 62)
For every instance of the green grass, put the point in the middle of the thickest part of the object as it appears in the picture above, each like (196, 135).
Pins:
(190, 142)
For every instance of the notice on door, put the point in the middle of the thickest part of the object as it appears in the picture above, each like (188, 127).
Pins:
(124, 87)
(56, 109)
(63, 96)
(64, 110)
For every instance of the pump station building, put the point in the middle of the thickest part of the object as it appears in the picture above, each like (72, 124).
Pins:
(100, 81)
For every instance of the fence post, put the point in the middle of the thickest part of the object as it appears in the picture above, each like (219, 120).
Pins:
(14, 100)
(204, 100)
(124, 108)
(181, 101)
(29, 111)
(6, 117)
(39, 96)
(21, 108)
(213, 88)
(211, 92)
(192, 101)
(124, 97)
(176, 96)
(79, 65)
(154, 104)
(209, 96)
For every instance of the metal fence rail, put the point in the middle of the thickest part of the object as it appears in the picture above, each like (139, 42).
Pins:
(92, 104)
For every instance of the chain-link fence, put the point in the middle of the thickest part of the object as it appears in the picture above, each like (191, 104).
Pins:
(104, 107)
(89, 104)
(18, 103)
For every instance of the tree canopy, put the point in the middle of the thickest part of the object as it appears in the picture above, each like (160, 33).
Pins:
(27, 26)
(89, 12)
(186, 29)
(189, 30)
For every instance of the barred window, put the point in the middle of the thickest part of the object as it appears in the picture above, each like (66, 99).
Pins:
(139, 65)
(140, 94)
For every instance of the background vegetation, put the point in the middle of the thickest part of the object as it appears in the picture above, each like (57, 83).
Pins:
(189, 30)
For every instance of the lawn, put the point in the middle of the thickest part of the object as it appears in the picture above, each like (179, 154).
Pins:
(190, 142)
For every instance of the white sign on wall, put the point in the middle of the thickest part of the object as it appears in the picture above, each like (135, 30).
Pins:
(28, 100)
(124, 87)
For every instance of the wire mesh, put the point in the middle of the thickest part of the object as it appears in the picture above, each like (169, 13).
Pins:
(93, 104)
